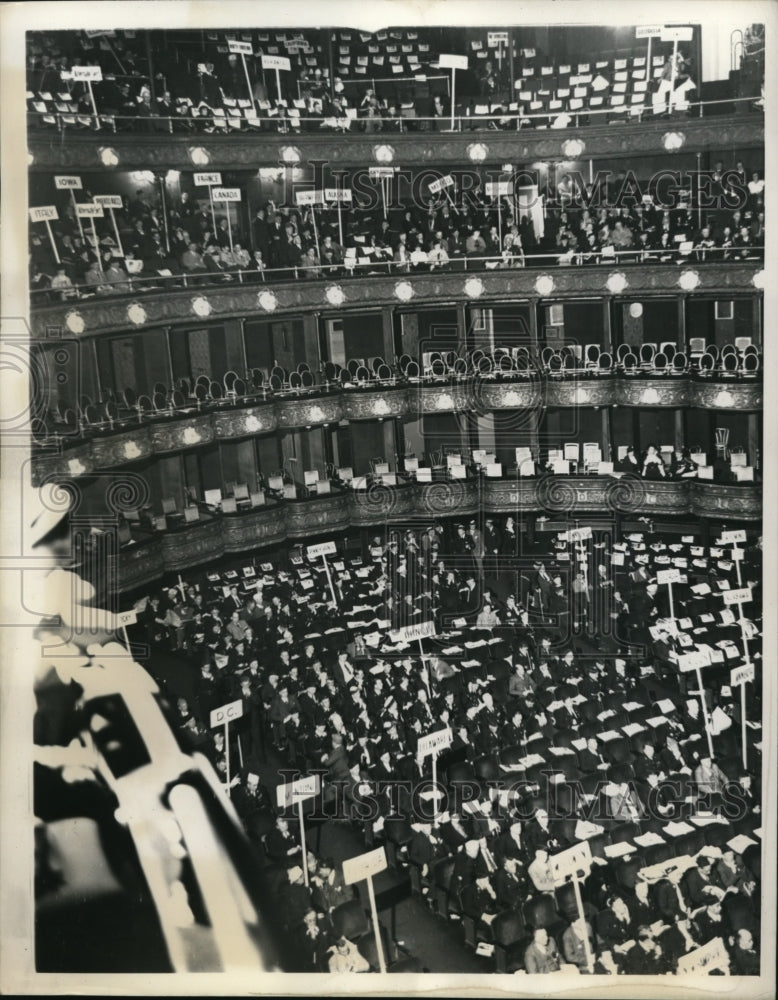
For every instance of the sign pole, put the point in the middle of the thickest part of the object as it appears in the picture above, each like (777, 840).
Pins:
(116, 230)
(51, 240)
(453, 94)
(743, 728)
(248, 83)
(340, 215)
(318, 253)
(181, 587)
(229, 225)
(648, 60)
(704, 705)
(78, 217)
(92, 99)
(278, 82)
(302, 839)
(435, 788)
(227, 752)
(672, 75)
(213, 210)
(579, 904)
(94, 237)
(670, 597)
(425, 664)
(329, 575)
(376, 929)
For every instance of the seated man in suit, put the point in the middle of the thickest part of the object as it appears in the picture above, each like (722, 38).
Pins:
(696, 886)
(542, 955)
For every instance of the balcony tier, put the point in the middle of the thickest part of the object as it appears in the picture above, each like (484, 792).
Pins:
(90, 317)
(210, 540)
(82, 151)
(230, 423)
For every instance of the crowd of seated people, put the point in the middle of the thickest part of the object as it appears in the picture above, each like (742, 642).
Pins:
(389, 81)
(535, 715)
(194, 244)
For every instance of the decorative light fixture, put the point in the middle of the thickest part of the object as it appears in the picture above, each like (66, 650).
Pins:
(131, 450)
(108, 156)
(673, 141)
(253, 423)
(477, 151)
(636, 309)
(689, 280)
(403, 290)
(136, 313)
(649, 396)
(316, 413)
(201, 306)
(74, 321)
(474, 288)
(335, 295)
(191, 436)
(267, 301)
(572, 148)
(383, 153)
(199, 156)
(290, 155)
(758, 279)
(724, 399)
(617, 282)
(544, 284)
(76, 467)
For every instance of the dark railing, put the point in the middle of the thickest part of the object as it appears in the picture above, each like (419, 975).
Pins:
(130, 284)
(281, 121)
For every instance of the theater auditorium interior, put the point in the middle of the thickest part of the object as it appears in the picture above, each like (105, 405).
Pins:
(404, 390)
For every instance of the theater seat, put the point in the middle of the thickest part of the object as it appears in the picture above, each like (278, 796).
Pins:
(508, 932)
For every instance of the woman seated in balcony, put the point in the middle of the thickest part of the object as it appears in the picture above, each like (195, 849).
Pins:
(629, 463)
(653, 466)
(681, 465)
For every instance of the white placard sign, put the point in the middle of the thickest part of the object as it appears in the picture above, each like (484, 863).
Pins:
(240, 48)
(575, 859)
(702, 961)
(434, 742)
(452, 62)
(276, 62)
(498, 188)
(648, 31)
(86, 210)
(739, 596)
(736, 537)
(293, 792)
(684, 34)
(378, 172)
(741, 675)
(441, 183)
(409, 633)
(333, 194)
(206, 180)
(494, 38)
(364, 866)
(668, 576)
(44, 213)
(227, 713)
(691, 661)
(67, 182)
(87, 74)
(308, 197)
(322, 549)
(108, 200)
(125, 618)
(226, 194)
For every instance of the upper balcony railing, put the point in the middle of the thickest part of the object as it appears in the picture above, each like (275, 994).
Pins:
(89, 142)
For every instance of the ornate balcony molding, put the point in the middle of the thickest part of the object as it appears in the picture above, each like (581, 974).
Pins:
(233, 152)
(80, 458)
(550, 496)
(91, 317)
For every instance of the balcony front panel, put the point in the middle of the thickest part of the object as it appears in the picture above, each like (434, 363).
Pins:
(734, 503)
(292, 413)
(550, 496)
(376, 404)
(309, 518)
(235, 152)
(178, 435)
(90, 317)
(265, 526)
(730, 395)
(244, 421)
